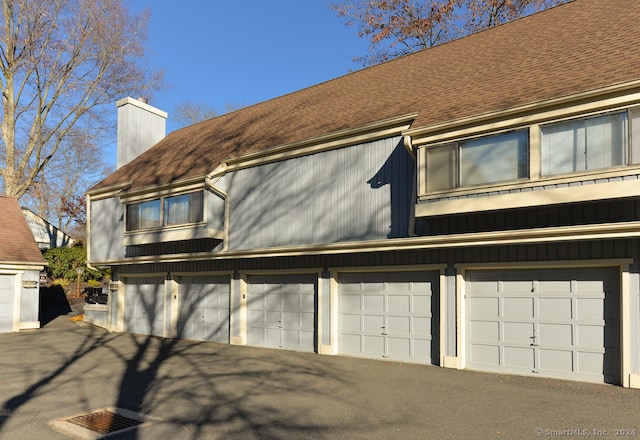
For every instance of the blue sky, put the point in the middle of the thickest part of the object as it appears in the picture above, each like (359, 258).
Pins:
(241, 52)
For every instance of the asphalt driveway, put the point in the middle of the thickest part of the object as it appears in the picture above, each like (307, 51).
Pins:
(214, 391)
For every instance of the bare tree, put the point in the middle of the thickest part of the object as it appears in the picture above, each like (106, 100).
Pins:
(189, 113)
(62, 65)
(57, 194)
(398, 27)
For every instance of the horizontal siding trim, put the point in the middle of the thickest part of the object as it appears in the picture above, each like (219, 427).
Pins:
(554, 196)
(562, 264)
(521, 236)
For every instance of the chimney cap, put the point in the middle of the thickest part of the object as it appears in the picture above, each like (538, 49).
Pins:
(143, 99)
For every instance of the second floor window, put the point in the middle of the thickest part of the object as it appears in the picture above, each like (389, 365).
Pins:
(585, 144)
(165, 211)
(185, 208)
(480, 161)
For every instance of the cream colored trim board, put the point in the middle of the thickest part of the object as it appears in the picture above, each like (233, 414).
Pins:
(443, 315)
(568, 194)
(625, 326)
(545, 264)
(174, 188)
(12, 268)
(518, 236)
(343, 138)
(404, 268)
(108, 191)
(167, 235)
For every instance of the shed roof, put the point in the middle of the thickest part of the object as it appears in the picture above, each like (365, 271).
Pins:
(17, 244)
(573, 48)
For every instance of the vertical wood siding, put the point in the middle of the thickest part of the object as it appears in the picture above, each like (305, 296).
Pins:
(362, 192)
(107, 228)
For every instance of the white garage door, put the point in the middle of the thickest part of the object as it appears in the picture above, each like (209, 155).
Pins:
(281, 311)
(144, 306)
(203, 312)
(7, 292)
(554, 323)
(388, 315)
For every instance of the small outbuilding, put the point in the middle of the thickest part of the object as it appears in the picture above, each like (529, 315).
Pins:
(20, 264)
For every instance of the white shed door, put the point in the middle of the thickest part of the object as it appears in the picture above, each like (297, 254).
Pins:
(555, 323)
(144, 306)
(7, 292)
(281, 311)
(388, 315)
(203, 312)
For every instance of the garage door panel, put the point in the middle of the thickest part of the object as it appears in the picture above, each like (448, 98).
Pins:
(282, 311)
(144, 306)
(549, 322)
(387, 315)
(550, 284)
(373, 303)
(554, 308)
(590, 336)
(421, 326)
(373, 344)
(399, 347)
(484, 307)
(351, 323)
(399, 304)
(591, 363)
(590, 308)
(556, 360)
(203, 308)
(373, 324)
(555, 334)
(486, 331)
(517, 308)
(481, 354)
(399, 325)
(518, 357)
(516, 332)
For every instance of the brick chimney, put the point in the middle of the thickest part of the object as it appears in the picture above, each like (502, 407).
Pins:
(140, 126)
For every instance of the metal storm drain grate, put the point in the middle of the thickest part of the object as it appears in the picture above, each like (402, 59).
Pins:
(104, 422)
(100, 424)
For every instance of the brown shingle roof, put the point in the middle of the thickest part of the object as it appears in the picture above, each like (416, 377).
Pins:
(579, 46)
(17, 244)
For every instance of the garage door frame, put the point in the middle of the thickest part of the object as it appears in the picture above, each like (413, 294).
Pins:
(174, 303)
(243, 310)
(625, 329)
(335, 300)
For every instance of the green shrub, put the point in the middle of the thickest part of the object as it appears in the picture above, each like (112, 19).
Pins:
(64, 261)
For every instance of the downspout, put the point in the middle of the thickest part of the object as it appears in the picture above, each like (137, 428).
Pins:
(408, 144)
(210, 181)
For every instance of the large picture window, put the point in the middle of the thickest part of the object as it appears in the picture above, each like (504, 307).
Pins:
(165, 211)
(480, 161)
(585, 144)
